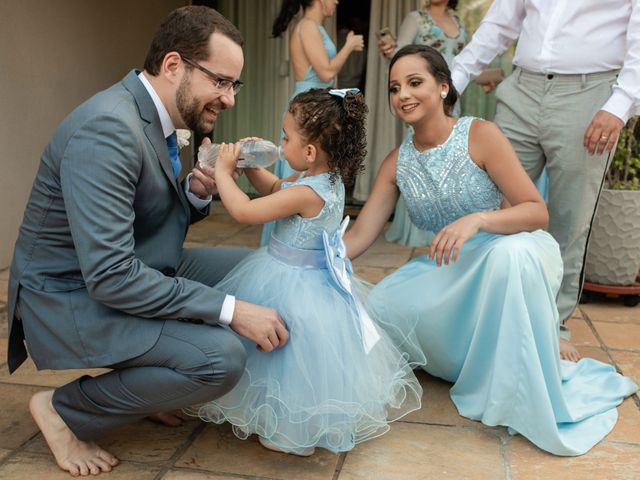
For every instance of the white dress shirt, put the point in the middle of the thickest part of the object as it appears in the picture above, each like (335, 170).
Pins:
(562, 37)
(229, 304)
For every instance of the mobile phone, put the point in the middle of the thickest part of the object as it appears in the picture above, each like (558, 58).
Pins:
(490, 75)
(386, 36)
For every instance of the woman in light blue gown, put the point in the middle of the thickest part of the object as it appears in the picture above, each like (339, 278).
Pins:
(481, 306)
(314, 58)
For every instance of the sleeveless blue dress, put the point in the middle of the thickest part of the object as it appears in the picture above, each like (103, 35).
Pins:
(310, 80)
(324, 388)
(489, 322)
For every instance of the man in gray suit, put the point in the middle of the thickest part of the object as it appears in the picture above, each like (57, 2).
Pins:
(99, 276)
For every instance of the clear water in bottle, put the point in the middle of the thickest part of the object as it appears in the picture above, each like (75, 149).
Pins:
(253, 153)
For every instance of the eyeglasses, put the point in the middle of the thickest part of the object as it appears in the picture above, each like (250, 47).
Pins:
(222, 84)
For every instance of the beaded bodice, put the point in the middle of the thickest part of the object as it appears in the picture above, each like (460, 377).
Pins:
(443, 184)
(300, 232)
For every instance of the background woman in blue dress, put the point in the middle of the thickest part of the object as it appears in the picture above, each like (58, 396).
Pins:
(481, 306)
(314, 58)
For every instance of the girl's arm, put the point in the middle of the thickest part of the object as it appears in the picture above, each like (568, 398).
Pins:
(492, 151)
(301, 200)
(311, 40)
(376, 211)
(266, 182)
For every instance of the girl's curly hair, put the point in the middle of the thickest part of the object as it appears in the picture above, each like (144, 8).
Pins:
(337, 125)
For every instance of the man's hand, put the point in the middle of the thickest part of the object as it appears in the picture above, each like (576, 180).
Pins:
(602, 133)
(259, 324)
(489, 87)
(202, 182)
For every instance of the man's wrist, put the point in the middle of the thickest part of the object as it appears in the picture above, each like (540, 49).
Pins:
(226, 312)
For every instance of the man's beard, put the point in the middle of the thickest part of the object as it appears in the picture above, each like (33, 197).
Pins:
(191, 111)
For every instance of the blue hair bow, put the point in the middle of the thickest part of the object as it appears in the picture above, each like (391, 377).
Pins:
(341, 92)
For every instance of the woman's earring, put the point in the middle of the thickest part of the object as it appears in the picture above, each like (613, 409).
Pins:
(443, 94)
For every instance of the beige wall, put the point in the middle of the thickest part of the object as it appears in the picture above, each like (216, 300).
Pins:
(53, 55)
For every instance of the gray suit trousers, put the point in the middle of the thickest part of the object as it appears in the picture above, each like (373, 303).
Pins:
(189, 364)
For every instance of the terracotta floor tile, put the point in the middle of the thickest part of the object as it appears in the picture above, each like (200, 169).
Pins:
(604, 461)
(3, 354)
(4, 325)
(581, 333)
(437, 407)
(623, 336)
(4, 453)
(4, 284)
(419, 252)
(371, 274)
(180, 474)
(576, 313)
(27, 374)
(628, 363)
(143, 441)
(212, 233)
(610, 311)
(218, 450)
(249, 237)
(410, 451)
(26, 465)
(595, 353)
(384, 254)
(627, 428)
(16, 424)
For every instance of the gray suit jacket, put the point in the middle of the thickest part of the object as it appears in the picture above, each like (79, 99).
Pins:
(101, 239)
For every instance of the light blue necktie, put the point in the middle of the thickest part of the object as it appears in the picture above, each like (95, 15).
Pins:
(172, 145)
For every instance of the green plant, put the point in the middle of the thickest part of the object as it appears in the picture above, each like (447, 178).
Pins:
(624, 171)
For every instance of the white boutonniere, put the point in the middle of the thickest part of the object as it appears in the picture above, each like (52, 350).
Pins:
(183, 137)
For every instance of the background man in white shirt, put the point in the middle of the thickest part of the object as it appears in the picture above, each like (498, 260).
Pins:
(100, 277)
(576, 83)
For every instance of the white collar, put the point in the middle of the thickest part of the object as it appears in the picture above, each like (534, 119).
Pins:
(165, 120)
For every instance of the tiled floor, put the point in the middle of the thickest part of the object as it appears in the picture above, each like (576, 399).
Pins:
(434, 443)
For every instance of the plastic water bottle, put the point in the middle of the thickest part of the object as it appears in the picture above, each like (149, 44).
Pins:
(253, 153)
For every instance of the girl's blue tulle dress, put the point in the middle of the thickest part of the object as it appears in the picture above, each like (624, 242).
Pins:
(488, 323)
(339, 380)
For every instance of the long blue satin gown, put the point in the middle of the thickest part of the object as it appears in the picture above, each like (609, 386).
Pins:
(325, 387)
(310, 80)
(488, 323)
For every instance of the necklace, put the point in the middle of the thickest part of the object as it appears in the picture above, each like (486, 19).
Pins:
(422, 148)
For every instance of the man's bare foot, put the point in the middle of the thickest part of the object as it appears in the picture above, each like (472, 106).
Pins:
(174, 418)
(73, 455)
(568, 351)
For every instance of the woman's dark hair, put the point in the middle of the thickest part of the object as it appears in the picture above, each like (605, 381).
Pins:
(187, 30)
(452, 4)
(437, 67)
(337, 125)
(288, 10)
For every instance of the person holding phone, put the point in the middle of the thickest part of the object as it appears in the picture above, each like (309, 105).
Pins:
(435, 25)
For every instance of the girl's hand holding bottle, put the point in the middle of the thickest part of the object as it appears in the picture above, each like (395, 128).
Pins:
(228, 158)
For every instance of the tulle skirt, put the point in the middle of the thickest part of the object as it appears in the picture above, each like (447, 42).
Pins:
(322, 389)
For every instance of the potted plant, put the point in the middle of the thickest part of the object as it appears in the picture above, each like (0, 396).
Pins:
(613, 257)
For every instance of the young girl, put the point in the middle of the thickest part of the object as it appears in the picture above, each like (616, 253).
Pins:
(338, 381)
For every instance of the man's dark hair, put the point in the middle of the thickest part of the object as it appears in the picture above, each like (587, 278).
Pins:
(187, 30)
